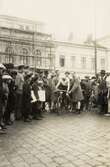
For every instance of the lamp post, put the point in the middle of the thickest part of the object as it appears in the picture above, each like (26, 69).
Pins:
(95, 43)
(95, 55)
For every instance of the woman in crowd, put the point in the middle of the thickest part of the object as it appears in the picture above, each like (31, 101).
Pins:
(37, 106)
(76, 93)
(17, 90)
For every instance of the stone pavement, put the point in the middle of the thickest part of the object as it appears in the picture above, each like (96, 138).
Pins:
(58, 141)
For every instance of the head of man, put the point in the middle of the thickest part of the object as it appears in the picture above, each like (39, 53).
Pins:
(28, 77)
(21, 68)
(87, 78)
(102, 73)
(57, 72)
(14, 74)
(67, 74)
(40, 83)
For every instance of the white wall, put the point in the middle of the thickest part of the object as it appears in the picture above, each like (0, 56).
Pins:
(80, 51)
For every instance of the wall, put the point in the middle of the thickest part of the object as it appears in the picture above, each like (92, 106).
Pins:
(68, 50)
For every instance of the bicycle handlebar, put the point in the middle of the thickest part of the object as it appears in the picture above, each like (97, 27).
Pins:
(60, 90)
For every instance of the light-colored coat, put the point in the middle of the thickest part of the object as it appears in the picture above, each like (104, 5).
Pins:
(76, 91)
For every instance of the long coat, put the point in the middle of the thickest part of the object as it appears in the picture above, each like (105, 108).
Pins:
(76, 92)
(1, 97)
(26, 100)
(102, 91)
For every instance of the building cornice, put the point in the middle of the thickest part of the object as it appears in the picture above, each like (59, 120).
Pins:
(78, 45)
(25, 31)
(23, 20)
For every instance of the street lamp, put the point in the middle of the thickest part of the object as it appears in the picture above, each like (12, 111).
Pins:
(95, 43)
(95, 55)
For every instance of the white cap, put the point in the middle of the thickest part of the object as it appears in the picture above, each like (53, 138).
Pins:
(2, 66)
(6, 76)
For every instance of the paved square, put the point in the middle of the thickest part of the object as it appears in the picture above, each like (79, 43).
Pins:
(58, 141)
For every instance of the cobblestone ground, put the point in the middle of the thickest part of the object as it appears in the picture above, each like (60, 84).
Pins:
(58, 141)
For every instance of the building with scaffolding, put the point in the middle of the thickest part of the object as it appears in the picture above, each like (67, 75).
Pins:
(25, 42)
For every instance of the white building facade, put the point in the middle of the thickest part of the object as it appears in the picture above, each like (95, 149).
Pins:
(80, 58)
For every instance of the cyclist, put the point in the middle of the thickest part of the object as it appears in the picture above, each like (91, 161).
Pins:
(64, 83)
(63, 87)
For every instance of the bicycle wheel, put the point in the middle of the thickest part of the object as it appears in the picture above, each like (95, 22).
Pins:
(59, 106)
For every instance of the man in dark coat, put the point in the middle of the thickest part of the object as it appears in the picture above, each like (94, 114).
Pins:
(2, 127)
(102, 93)
(26, 100)
(11, 99)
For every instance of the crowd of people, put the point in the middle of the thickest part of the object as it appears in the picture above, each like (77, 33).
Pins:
(26, 94)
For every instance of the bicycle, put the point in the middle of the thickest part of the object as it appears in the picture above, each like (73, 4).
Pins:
(62, 101)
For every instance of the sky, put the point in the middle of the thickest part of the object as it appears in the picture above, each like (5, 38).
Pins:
(64, 17)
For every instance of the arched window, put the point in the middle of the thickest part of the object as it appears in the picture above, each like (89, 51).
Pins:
(9, 50)
(38, 59)
(9, 54)
(24, 51)
(24, 56)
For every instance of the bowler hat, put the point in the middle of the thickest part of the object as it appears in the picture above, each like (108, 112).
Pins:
(21, 66)
(14, 72)
(67, 72)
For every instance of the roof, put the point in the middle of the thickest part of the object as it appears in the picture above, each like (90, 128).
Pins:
(104, 38)
(80, 44)
(25, 20)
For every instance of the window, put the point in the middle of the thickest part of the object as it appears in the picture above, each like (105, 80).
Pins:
(38, 61)
(7, 59)
(31, 61)
(62, 61)
(24, 56)
(9, 50)
(25, 60)
(72, 61)
(24, 51)
(21, 59)
(27, 28)
(38, 52)
(47, 62)
(21, 27)
(93, 63)
(102, 63)
(38, 58)
(83, 62)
